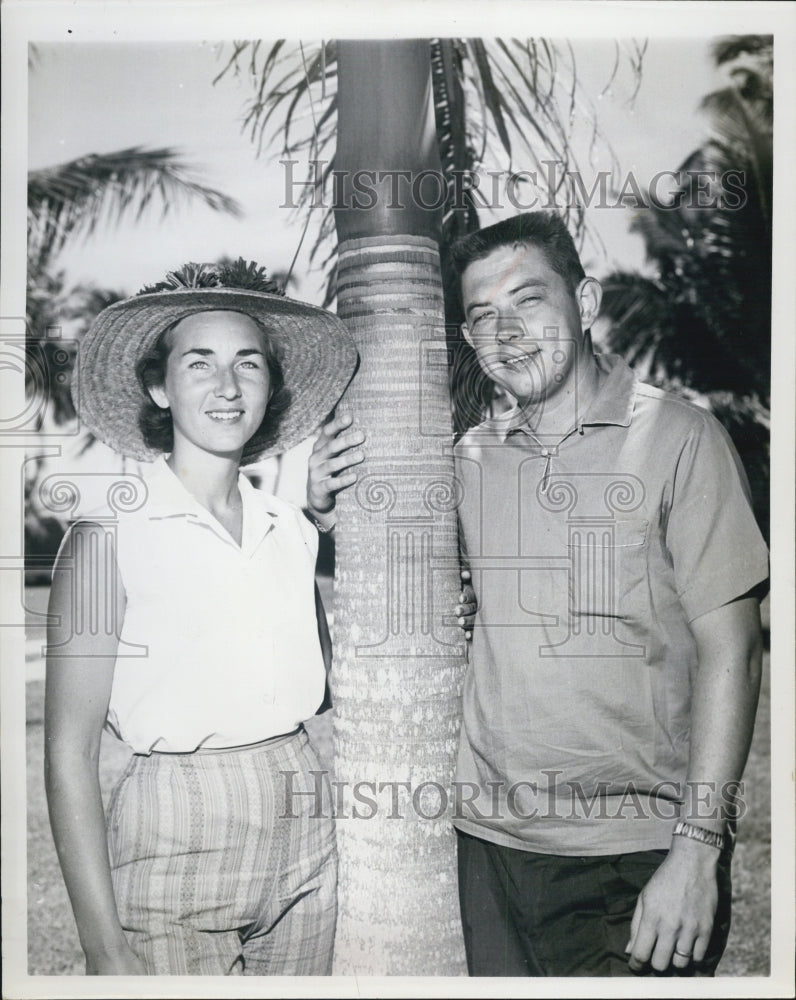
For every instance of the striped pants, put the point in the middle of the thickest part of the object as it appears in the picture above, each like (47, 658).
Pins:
(225, 862)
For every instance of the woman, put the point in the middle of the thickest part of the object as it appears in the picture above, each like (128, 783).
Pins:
(189, 625)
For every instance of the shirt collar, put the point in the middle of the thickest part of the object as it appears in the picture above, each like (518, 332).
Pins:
(613, 403)
(168, 497)
(616, 394)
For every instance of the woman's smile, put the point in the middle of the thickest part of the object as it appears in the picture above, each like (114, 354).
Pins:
(225, 416)
(216, 373)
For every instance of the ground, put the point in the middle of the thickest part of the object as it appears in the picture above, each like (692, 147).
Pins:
(53, 947)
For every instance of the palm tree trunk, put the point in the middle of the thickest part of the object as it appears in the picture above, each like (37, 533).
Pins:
(398, 669)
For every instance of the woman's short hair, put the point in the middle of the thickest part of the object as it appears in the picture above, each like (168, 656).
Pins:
(156, 424)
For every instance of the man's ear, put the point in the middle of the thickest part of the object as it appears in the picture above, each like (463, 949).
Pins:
(589, 296)
(159, 397)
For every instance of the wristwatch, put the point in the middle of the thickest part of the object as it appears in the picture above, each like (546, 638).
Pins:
(693, 832)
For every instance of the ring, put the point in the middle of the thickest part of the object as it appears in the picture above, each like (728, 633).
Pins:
(682, 954)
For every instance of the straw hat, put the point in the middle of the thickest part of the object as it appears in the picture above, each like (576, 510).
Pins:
(318, 355)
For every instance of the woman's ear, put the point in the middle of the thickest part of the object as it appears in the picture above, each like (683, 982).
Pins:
(589, 295)
(159, 397)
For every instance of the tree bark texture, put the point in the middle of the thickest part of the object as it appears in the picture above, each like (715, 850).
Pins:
(398, 660)
(397, 668)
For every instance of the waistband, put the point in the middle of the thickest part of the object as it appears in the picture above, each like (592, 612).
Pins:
(272, 741)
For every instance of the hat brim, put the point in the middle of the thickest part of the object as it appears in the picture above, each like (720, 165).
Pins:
(319, 358)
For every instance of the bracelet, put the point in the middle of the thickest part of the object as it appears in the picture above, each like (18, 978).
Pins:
(709, 837)
(324, 529)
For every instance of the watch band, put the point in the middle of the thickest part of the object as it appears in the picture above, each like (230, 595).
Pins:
(709, 837)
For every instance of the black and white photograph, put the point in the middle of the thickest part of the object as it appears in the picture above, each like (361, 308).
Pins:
(397, 442)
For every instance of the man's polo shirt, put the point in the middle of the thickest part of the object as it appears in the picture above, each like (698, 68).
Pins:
(219, 645)
(590, 556)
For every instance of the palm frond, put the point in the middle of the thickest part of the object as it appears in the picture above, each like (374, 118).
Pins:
(749, 60)
(742, 142)
(728, 48)
(49, 359)
(74, 198)
(495, 101)
(703, 324)
(493, 97)
(639, 316)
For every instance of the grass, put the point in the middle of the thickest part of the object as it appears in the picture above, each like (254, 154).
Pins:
(53, 947)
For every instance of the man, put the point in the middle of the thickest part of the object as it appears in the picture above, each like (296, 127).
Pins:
(614, 673)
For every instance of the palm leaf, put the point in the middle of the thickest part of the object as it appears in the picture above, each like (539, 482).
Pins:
(492, 96)
(728, 48)
(703, 323)
(492, 99)
(75, 198)
(640, 317)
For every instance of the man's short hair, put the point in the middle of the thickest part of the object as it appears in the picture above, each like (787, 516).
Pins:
(545, 230)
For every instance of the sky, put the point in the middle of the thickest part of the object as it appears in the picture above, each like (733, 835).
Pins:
(100, 97)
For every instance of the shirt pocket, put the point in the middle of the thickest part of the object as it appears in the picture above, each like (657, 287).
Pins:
(608, 568)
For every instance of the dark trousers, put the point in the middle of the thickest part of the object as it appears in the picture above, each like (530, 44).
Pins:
(527, 914)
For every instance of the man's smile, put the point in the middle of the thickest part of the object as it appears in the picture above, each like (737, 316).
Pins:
(517, 360)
